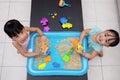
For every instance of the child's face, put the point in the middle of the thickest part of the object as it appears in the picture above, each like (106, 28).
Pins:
(21, 37)
(105, 38)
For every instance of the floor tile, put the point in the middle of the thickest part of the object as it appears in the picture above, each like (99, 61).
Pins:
(95, 73)
(2, 45)
(109, 13)
(26, 23)
(89, 24)
(2, 23)
(7, 39)
(4, 9)
(20, 0)
(12, 58)
(108, 25)
(0, 72)
(4, 0)
(96, 61)
(2, 35)
(111, 72)
(13, 73)
(89, 11)
(108, 1)
(111, 56)
(20, 11)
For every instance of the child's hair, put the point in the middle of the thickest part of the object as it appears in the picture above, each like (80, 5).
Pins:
(116, 38)
(13, 27)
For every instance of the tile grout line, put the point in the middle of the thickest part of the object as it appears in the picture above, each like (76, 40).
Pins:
(2, 61)
(102, 69)
(13, 66)
(96, 25)
(95, 12)
(16, 1)
(104, 65)
(4, 45)
(118, 13)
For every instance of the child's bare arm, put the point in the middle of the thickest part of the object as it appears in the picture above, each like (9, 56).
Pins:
(24, 53)
(89, 56)
(84, 32)
(34, 29)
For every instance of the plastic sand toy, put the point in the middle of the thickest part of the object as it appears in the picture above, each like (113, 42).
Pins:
(66, 57)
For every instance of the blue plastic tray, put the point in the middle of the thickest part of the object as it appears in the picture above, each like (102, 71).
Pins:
(49, 71)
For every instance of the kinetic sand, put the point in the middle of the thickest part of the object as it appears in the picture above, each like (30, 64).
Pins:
(75, 59)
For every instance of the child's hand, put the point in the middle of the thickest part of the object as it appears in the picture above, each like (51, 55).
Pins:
(81, 53)
(80, 42)
(40, 53)
(43, 38)
(79, 48)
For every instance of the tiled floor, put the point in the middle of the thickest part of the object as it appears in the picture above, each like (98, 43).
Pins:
(101, 13)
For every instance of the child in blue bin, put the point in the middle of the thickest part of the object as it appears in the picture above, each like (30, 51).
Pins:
(96, 40)
(20, 36)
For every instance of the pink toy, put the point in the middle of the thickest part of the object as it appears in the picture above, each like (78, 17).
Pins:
(46, 28)
(44, 21)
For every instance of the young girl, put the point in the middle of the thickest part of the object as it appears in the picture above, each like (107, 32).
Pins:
(20, 36)
(96, 40)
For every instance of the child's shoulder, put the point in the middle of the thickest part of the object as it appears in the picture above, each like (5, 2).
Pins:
(95, 30)
(16, 44)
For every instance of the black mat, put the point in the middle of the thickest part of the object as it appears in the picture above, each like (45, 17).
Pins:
(84, 77)
(41, 8)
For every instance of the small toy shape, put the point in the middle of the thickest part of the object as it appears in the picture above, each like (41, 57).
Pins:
(47, 59)
(44, 48)
(80, 47)
(44, 21)
(62, 3)
(74, 43)
(66, 57)
(49, 14)
(46, 28)
(48, 52)
(67, 25)
(53, 15)
(56, 65)
(63, 20)
(42, 66)
(69, 17)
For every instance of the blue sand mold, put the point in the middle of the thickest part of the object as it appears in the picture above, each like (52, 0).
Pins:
(63, 20)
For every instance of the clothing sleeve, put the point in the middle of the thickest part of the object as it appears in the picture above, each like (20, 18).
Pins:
(97, 47)
(95, 30)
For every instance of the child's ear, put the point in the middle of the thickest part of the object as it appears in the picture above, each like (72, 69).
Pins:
(13, 38)
(107, 46)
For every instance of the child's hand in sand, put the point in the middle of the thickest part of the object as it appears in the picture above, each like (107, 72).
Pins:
(79, 47)
(81, 53)
(43, 38)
